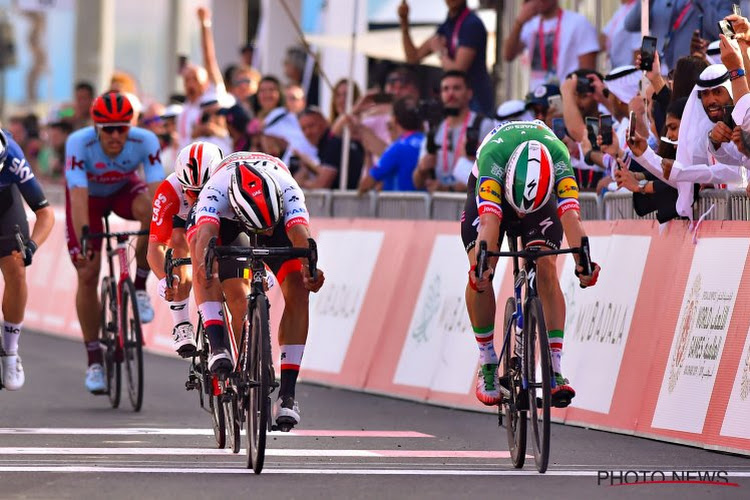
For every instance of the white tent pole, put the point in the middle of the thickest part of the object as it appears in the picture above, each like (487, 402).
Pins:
(344, 172)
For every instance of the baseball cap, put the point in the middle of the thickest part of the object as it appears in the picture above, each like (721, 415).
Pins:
(236, 116)
(541, 94)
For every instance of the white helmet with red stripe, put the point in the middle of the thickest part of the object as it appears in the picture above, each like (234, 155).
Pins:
(529, 177)
(196, 163)
(254, 194)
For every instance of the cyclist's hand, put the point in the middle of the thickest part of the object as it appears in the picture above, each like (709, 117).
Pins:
(588, 280)
(311, 285)
(165, 292)
(483, 283)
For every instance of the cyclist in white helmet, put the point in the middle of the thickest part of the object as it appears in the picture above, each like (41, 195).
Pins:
(519, 166)
(172, 201)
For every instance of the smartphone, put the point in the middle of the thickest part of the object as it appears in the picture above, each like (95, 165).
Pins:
(383, 98)
(584, 85)
(605, 126)
(725, 28)
(648, 51)
(631, 127)
(728, 116)
(701, 32)
(558, 127)
(592, 127)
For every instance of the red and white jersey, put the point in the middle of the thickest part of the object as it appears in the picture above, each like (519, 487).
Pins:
(169, 201)
(213, 201)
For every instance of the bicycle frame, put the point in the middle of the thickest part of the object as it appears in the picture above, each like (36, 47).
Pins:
(121, 252)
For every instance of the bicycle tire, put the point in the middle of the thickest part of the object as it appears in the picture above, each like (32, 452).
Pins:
(515, 418)
(232, 425)
(132, 345)
(258, 412)
(218, 420)
(537, 351)
(108, 339)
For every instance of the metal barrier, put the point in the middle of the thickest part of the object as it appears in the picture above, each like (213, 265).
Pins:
(351, 204)
(448, 206)
(414, 205)
(619, 205)
(318, 202)
(716, 198)
(590, 206)
(739, 205)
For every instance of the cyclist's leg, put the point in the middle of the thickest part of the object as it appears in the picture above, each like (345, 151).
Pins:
(235, 295)
(480, 306)
(183, 333)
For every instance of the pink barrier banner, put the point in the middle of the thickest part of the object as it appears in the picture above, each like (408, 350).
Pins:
(659, 348)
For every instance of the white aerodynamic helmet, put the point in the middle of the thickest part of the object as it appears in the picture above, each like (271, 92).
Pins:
(196, 163)
(254, 193)
(529, 178)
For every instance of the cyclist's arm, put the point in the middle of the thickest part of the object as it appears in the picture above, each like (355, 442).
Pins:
(79, 209)
(33, 195)
(298, 235)
(573, 229)
(156, 257)
(45, 219)
(198, 244)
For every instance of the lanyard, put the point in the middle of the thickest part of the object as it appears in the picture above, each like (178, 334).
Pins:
(555, 45)
(444, 147)
(454, 38)
(676, 25)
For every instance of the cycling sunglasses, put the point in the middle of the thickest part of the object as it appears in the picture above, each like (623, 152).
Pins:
(110, 129)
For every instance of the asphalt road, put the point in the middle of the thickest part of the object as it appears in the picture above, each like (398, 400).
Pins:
(58, 441)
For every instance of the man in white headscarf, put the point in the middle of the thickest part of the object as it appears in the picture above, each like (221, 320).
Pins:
(282, 127)
(622, 83)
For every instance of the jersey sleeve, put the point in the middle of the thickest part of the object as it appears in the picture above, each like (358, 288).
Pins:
(295, 209)
(22, 175)
(152, 168)
(165, 206)
(489, 188)
(388, 163)
(75, 161)
(566, 187)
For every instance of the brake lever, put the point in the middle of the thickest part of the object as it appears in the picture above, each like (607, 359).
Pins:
(584, 257)
(210, 256)
(19, 241)
(85, 241)
(481, 260)
(168, 267)
(312, 260)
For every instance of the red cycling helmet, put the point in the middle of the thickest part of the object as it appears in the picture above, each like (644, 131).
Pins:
(110, 108)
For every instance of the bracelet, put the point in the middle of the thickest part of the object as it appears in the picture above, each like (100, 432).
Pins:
(207, 23)
(736, 73)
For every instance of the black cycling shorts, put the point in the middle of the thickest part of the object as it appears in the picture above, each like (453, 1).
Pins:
(542, 227)
(12, 213)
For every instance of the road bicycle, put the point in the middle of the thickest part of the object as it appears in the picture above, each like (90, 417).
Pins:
(528, 379)
(211, 395)
(253, 380)
(121, 333)
(18, 238)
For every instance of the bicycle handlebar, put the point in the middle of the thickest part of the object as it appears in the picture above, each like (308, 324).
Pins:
(214, 252)
(170, 264)
(86, 235)
(533, 253)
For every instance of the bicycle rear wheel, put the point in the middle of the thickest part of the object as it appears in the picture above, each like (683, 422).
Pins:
(108, 339)
(539, 376)
(132, 345)
(259, 360)
(232, 421)
(217, 416)
(515, 425)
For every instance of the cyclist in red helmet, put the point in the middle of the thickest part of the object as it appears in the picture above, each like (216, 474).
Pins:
(101, 165)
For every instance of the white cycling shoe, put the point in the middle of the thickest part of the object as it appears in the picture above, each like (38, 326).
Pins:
(145, 311)
(286, 409)
(95, 381)
(183, 340)
(12, 372)
(220, 362)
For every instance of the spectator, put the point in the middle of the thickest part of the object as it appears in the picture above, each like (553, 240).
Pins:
(237, 120)
(58, 126)
(449, 154)
(269, 96)
(245, 81)
(559, 41)
(125, 83)
(247, 52)
(83, 98)
(512, 111)
(325, 172)
(198, 81)
(153, 119)
(538, 101)
(282, 136)
(396, 165)
(622, 84)
(461, 44)
(294, 97)
(301, 71)
(673, 22)
(621, 44)
(338, 102)
(212, 127)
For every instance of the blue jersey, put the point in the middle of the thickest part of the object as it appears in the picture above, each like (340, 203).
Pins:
(398, 162)
(16, 170)
(86, 164)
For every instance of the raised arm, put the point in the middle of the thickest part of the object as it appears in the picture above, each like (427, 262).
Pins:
(209, 50)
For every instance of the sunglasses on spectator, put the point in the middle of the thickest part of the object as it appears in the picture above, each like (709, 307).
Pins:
(244, 81)
(152, 120)
(111, 129)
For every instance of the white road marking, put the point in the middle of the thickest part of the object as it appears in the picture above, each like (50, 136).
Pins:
(358, 472)
(202, 432)
(274, 452)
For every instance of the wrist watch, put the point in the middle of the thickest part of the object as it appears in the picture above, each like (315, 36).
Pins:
(642, 186)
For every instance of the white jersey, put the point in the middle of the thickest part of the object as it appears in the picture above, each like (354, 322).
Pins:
(213, 201)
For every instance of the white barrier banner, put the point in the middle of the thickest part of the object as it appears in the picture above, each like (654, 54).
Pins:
(738, 408)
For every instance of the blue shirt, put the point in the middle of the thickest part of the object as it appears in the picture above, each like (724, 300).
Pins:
(86, 164)
(398, 162)
(16, 170)
(472, 34)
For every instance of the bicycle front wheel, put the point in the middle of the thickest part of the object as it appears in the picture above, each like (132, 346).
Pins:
(539, 377)
(108, 339)
(513, 407)
(259, 405)
(231, 416)
(217, 416)
(132, 345)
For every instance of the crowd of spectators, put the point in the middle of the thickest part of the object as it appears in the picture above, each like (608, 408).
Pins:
(400, 138)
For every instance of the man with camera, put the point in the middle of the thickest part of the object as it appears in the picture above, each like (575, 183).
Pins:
(450, 150)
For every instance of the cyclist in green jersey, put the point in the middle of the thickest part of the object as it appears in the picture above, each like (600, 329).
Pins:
(519, 165)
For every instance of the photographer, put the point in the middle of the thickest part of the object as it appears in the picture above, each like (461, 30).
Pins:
(212, 126)
(449, 151)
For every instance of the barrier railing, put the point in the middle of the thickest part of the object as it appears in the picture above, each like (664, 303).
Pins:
(591, 208)
(403, 206)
